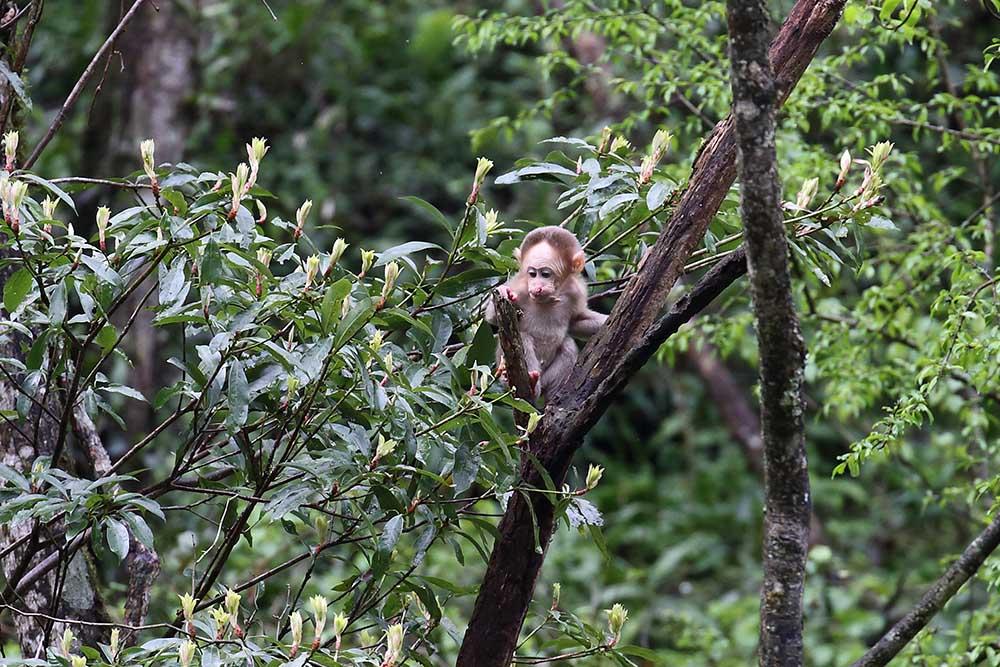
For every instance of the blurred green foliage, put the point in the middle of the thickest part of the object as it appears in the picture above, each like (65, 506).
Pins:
(364, 103)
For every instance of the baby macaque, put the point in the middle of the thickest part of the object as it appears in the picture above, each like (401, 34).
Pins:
(553, 297)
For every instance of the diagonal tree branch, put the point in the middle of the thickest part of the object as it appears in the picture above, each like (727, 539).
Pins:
(622, 346)
(934, 599)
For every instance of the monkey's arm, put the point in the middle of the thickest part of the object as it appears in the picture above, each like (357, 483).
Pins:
(559, 368)
(586, 323)
(509, 290)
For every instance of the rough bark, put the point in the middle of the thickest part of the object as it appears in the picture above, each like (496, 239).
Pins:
(79, 597)
(613, 355)
(934, 599)
(142, 563)
(781, 349)
(512, 346)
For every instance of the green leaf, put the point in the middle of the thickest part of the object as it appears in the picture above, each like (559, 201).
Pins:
(880, 222)
(402, 249)
(107, 337)
(539, 169)
(140, 529)
(16, 84)
(117, 536)
(888, 7)
(430, 211)
(14, 477)
(16, 289)
(467, 462)
(334, 296)
(390, 535)
(239, 397)
(51, 187)
(99, 265)
(616, 202)
(658, 193)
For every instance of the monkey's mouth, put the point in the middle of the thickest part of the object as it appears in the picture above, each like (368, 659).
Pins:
(544, 298)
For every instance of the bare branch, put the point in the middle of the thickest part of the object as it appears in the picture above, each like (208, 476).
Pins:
(934, 599)
(82, 82)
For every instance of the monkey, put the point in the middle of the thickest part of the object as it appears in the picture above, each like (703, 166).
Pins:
(549, 288)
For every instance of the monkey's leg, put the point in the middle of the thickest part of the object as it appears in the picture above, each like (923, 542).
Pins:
(587, 323)
(559, 368)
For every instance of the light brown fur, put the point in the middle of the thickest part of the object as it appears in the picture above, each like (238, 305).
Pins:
(550, 290)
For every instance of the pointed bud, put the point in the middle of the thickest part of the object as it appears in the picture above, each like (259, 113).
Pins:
(339, 246)
(556, 592)
(339, 625)
(367, 259)
(492, 221)
(312, 268)
(295, 624)
(317, 605)
(221, 618)
(483, 167)
(605, 140)
(238, 184)
(261, 213)
(77, 661)
(148, 151)
(115, 644)
(879, 154)
(617, 616)
(845, 166)
(103, 217)
(10, 141)
(300, 217)
(391, 274)
(232, 602)
(186, 653)
(49, 208)
(533, 420)
(594, 474)
(384, 448)
(66, 642)
(256, 150)
(264, 256)
(620, 143)
(393, 645)
(806, 193)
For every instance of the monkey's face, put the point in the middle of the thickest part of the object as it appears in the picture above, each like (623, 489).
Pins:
(544, 271)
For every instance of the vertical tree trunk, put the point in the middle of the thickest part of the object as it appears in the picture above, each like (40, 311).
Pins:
(782, 351)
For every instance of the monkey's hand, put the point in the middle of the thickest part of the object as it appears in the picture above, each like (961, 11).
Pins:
(533, 378)
(508, 294)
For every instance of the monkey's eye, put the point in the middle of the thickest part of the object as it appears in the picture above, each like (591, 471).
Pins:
(531, 272)
(546, 273)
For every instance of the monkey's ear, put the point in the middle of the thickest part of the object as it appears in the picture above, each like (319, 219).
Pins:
(578, 261)
(517, 255)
